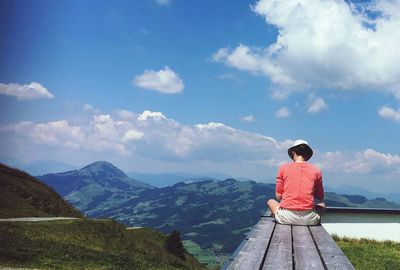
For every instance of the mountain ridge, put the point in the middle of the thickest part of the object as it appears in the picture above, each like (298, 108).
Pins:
(97, 183)
(216, 214)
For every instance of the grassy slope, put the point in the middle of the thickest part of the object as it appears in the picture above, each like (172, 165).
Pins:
(85, 244)
(22, 195)
(370, 254)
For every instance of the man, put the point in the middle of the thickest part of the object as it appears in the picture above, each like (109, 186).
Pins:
(298, 184)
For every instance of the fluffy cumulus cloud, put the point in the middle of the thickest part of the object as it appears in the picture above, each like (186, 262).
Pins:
(390, 113)
(325, 44)
(164, 81)
(317, 105)
(153, 136)
(283, 113)
(363, 162)
(50, 133)
(132, 135)
(33, 90)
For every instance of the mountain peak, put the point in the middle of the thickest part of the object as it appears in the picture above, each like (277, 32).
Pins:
(100, 167)
(99, 163)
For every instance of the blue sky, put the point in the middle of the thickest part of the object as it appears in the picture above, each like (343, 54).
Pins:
(204, 86)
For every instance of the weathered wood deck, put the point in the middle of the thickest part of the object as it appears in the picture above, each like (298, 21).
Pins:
(274, 246)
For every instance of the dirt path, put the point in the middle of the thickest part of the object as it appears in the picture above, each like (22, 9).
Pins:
(34, 219)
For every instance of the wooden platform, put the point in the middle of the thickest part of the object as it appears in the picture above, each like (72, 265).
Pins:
(274, 246)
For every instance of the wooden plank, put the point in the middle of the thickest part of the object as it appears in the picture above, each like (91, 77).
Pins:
(332, 256)
(258, 231)
(305, 253)
(279, 255)
(253, 251)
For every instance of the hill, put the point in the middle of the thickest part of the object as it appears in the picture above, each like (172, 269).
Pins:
(370, 254)
(213, 216)
(73, 244)
(86, 244)
(169, 179)
(22, 195)
(95, 185)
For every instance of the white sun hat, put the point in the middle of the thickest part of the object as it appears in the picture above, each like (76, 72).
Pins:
(303, 145)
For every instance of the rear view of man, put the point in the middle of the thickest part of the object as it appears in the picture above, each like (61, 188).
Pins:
(298, 184)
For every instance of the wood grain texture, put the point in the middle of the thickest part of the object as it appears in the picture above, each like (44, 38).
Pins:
(305, 252)
(253, 251)
(275, 246)
(279, 255)
(332, 256)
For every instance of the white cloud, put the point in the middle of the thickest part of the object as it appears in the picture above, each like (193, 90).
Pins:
(33, 90)
(50, 133)
(283, 113)
(125, 114)
(368, 161)
(317, 105)
(151, 137)
(164, 81)
(227, 76)
(132, 135)
(242, 58)
(157, 116)
(247, 118)
(325, 45)
(389, 113)
(90, 109)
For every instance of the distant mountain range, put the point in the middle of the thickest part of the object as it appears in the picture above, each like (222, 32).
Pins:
(42, 167)
(39, 167)
(352, 190)
(215, 214)
(170, 179)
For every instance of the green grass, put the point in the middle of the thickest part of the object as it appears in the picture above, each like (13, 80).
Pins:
(204, 256)
(85, 244)
(370, 254)
(22, 195)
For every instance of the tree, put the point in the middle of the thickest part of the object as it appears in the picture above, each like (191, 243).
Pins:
(174, 244)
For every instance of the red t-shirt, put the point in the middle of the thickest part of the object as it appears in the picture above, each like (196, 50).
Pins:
(299, 183)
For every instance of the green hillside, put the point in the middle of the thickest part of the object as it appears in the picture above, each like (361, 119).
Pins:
(86, 244)
(22, 195)
(72, 244)
(370, 254)
(213, 216)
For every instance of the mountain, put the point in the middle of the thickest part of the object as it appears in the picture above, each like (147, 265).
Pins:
(208, 212)
(212, 215)
(99, 184)
(47, 166)
(74, 244)
(21, 195)
(169, 179)
(39, 167)
(352, 190)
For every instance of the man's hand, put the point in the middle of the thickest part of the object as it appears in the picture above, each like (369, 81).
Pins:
(278, 196)
(320, 207)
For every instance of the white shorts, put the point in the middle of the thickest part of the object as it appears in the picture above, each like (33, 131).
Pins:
(294, 217)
